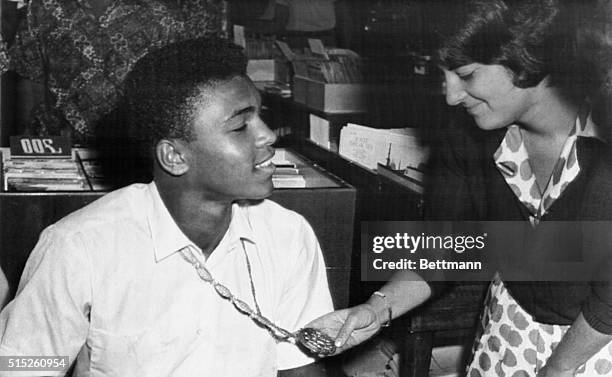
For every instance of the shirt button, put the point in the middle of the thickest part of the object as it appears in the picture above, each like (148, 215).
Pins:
(199, 331)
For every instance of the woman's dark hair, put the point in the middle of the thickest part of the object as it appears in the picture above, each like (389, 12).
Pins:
(532, 38)
(595, 41)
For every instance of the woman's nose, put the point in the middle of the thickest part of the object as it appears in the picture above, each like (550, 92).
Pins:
(455, 91)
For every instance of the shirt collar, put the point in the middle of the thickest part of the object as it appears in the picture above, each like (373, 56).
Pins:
(167, 236)
(585, 127)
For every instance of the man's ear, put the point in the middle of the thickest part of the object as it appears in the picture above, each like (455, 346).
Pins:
(170, 155)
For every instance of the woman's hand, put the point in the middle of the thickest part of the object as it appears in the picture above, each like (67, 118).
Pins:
(349, 327)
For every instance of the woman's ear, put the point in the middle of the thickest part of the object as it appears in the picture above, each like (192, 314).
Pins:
(170, 155)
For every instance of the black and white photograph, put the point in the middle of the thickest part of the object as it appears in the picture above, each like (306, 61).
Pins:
(296, 188)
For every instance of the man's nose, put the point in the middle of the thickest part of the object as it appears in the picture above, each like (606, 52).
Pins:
(265, 135)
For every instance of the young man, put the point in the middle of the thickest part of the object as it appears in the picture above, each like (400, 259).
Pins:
(139, 283)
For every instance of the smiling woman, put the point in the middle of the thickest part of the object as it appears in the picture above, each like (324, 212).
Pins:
(501, 53)
(536, 155)
(520, 68)
(488, 94)
(532, 40)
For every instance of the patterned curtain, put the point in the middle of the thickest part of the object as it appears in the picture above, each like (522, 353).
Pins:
(81, 54)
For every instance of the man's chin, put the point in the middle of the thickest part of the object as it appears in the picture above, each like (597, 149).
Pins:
(260, 195)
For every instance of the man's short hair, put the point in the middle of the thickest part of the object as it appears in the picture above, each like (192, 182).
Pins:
(163, 86)
(532, 38)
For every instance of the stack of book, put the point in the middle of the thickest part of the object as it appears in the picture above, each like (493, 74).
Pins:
(43, 174)
(287, 173)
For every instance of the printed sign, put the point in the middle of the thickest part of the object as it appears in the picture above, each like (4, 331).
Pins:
(31, 146)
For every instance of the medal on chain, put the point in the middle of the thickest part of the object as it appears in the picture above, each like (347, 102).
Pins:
(313, 340)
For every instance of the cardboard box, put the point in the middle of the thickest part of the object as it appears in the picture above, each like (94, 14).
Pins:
(337, 98)
(330, 98)
(267, 70)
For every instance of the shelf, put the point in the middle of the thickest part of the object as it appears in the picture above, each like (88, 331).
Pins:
(308, 175)
(378, 199)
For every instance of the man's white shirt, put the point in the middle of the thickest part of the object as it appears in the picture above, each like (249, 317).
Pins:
(108, 282)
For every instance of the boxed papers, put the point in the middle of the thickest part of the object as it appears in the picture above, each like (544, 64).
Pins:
(330, 81)
(396, 148)
(329, 98)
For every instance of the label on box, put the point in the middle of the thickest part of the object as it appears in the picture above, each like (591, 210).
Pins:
(31, 146)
